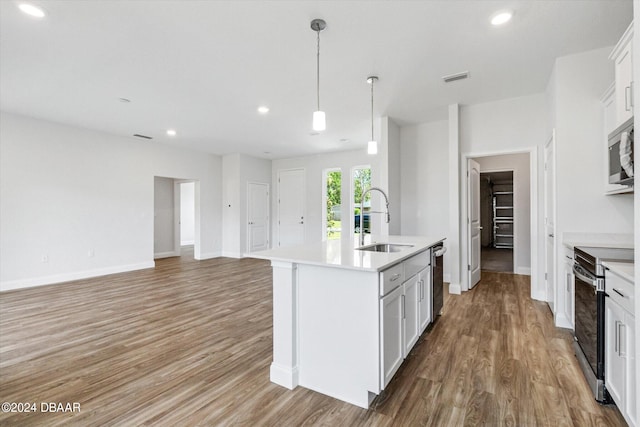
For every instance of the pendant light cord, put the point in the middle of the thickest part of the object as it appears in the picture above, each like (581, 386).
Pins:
(372, 81)
(318, 71)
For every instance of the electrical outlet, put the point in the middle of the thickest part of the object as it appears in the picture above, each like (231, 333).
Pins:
(91, 253)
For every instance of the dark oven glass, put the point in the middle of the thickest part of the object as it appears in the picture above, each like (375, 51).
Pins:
(614, 162)
(586, 328)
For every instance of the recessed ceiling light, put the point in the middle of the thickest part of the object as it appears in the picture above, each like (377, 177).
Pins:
(31, 10)
(171, 132)
(263, 109)
(501, 18)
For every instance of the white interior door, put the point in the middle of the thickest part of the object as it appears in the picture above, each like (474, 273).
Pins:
(291, 207)
(258, 216)
(473, 215)
(549, 221)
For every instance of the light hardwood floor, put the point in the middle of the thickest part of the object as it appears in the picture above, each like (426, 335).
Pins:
(189, 343)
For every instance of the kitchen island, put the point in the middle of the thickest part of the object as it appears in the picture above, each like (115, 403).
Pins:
(344, 319)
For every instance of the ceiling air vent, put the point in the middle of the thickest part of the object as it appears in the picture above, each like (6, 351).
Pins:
(142, 136)
(453, 77)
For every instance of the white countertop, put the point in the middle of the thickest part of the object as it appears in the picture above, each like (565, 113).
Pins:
(622, 269)
(598, 240)
(343, 253)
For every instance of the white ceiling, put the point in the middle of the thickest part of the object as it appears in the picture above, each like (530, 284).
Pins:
(203, 67)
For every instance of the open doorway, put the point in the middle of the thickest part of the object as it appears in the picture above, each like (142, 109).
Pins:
(174, 225)
(496, 219)
(525, 207)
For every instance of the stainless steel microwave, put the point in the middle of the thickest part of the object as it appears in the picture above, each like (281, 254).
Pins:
(621, 154)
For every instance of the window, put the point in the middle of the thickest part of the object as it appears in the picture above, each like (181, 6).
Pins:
(333, 214)
(361, 182)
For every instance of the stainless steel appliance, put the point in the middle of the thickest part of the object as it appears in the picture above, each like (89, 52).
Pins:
(621, 154)
(437, 254)
(589, 293)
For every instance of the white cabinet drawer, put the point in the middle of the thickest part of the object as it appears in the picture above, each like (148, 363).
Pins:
(620, 291)
(391, 278)
(416, 263)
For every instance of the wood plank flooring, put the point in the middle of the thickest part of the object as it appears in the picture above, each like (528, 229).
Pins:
(189, 343)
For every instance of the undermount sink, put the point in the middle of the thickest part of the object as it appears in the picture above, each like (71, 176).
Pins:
(384, 247)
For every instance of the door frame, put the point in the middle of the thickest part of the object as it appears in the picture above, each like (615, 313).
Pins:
(176, 216)
(249, 183)
(533, 212)
(551, 142)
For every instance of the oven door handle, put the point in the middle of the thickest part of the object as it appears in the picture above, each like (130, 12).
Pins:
(581, 274)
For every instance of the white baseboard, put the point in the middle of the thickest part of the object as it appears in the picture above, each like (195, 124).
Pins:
(446, 277)
(561, 321)
(455, 288)
(525, 271)
(209, 255)
(66, 277)
(284, 376)
(187, 243)
(168, 254)
(229, 254)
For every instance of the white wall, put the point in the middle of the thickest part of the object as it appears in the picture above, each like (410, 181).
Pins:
(519, 163)
(187, 213)
(424, 181)
(506, 126)
(392, 132)
(238, 171)
(575, 90)
(65, 191)
(163, 217)
(580, 81)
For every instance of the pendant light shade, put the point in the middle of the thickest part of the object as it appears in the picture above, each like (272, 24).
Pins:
(372, 146)
(319, 119)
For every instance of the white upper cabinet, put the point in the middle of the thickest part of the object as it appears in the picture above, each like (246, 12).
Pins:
(622, 56)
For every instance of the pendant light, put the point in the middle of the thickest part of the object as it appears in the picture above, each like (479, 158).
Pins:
(319, 121)
(372, 146)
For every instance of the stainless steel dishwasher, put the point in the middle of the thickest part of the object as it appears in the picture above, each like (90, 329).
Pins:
(437, 253)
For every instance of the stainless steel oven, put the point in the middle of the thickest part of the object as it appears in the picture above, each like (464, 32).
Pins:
(589, 293)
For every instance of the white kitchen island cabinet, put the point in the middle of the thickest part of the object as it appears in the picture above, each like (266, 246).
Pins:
(344, 319)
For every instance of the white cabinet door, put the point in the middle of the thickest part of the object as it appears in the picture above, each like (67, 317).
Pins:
(624, 87)
(614, 361)
(631, 414)
(425, 298)
(410, 313)
(392, 335)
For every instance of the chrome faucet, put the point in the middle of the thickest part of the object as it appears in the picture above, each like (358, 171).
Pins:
(388, 217)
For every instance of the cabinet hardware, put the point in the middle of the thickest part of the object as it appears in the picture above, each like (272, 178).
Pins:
(403, 306)
(617, 338)
(627, 104)
(394, 277)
